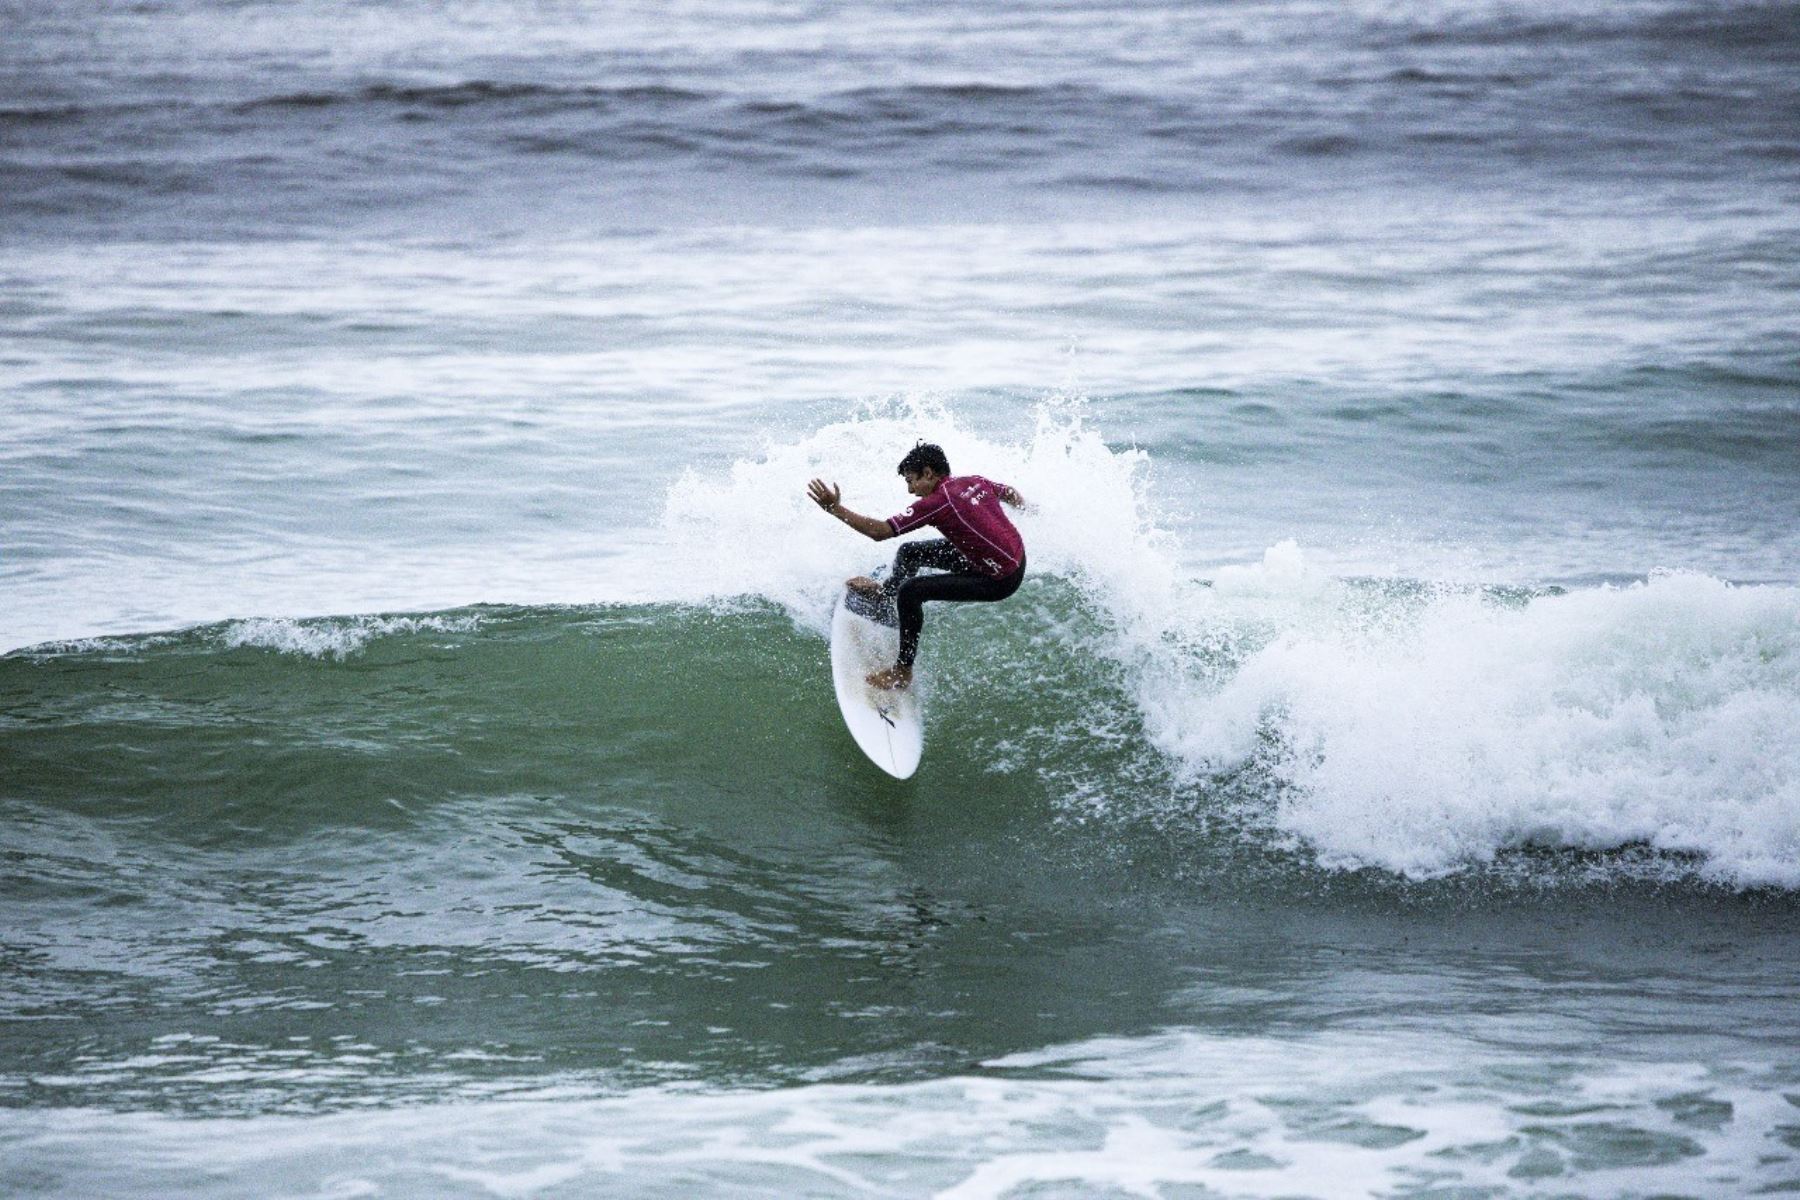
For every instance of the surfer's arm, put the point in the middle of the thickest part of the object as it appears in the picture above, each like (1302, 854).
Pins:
(828, 498)
(873, 528)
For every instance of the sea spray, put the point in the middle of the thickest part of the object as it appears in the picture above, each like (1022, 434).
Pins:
(753, 532)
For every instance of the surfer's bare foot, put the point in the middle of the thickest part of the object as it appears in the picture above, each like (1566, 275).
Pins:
(895, 678)
(865, 585)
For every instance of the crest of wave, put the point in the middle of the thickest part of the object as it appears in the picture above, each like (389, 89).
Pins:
(1430, 738)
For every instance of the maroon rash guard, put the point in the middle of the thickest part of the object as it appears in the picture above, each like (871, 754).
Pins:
(966, 510)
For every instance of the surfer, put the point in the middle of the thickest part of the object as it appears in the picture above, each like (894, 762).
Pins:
(981, 553)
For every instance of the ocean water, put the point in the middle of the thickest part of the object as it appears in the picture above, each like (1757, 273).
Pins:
(419, 773)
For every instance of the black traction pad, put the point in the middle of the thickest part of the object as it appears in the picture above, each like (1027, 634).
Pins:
(879, 609)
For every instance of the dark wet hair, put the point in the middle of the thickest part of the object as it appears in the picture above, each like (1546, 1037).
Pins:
(922, 457)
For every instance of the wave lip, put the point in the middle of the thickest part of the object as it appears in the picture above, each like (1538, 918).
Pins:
(1664, 714)
(336, 639)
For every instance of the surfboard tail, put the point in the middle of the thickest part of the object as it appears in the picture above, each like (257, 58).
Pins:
(879, 608)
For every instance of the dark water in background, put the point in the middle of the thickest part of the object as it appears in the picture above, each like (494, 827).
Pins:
(417, 768)
(209, 120)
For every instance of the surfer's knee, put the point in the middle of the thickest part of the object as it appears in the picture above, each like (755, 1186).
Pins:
(908, 559)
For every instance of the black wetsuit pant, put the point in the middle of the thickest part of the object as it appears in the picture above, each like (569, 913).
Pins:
(909, 590)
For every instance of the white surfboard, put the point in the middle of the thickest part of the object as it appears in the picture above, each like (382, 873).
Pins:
(888, 725)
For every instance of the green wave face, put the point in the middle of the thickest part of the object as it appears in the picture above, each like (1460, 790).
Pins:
(393, 858)
(263, 730)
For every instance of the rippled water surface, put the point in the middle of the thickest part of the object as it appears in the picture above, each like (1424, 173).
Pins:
(418, 769)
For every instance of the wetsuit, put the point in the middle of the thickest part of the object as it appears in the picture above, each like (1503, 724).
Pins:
(981, 551)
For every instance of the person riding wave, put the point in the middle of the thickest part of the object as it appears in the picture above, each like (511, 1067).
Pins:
(981, 554)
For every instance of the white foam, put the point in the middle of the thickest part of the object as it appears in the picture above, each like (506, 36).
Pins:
(1341, 1113)
(332, 637)
(1421, 741)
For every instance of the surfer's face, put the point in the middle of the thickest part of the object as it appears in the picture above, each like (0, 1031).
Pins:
(921, 483)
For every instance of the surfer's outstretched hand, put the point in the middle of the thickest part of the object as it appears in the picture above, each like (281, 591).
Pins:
(826, 497)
